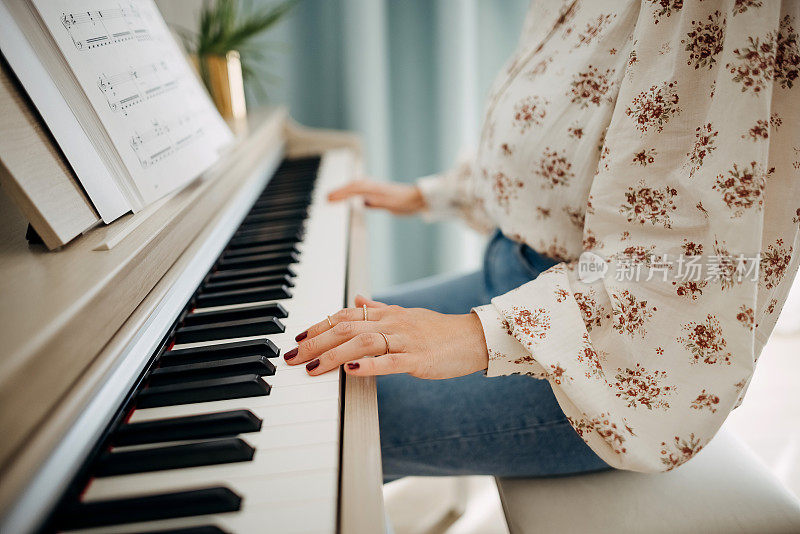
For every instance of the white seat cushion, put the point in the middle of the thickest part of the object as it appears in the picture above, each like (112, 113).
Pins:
(725, 489)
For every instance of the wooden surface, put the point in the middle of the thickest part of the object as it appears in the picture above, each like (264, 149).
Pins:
(361, 497)
(60, 309)
(34, 173)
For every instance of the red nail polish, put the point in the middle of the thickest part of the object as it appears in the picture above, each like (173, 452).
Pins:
(301, 336)
(291, 354)
(313, 364)
(353, 365)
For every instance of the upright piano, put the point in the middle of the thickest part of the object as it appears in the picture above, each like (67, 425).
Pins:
(141, 383)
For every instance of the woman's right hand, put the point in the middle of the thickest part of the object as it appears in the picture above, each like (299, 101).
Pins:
(400, 199)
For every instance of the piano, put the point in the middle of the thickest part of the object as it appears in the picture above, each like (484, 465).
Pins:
(142, 387)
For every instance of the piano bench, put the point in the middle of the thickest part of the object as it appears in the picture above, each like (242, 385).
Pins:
(725, 489)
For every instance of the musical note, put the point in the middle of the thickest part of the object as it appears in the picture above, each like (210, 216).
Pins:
(135, 85)
(164, 138)
(100, 27)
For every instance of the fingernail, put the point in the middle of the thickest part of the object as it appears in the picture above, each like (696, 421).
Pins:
(313, 364)
(291, 354)
(353, 365)
(301, 336)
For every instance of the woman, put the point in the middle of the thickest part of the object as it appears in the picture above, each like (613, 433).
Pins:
(660, 135)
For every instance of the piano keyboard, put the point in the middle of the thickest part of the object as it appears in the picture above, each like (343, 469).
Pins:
(224, 436)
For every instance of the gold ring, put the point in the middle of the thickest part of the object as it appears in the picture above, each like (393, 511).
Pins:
(385, 340)
(330, 322)
(365, 312)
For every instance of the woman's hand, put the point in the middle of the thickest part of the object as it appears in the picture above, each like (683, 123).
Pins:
(421, 343)
(400, 199)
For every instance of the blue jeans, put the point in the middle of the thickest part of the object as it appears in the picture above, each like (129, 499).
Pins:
(507, 426)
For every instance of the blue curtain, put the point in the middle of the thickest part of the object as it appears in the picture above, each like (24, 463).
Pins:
(411, 77)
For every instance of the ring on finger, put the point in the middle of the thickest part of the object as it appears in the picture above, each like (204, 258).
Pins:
(330, 323)
(365, 312)
(385, 340)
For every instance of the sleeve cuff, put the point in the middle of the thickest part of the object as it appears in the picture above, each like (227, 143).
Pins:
(437, 196)
(506, 355)
(545, 319)
(538, 330)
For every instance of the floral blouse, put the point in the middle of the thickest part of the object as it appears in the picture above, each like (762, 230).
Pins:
(653, 146)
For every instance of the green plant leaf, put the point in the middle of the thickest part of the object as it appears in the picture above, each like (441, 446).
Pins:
(226, 25)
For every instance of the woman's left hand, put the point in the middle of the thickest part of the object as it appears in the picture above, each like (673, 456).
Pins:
(421, 342)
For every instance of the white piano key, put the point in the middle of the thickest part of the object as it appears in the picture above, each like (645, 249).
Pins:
(279, 396)
(264, 465)
(271, 436)
(301, 412)
(284, 488)
(310, 516)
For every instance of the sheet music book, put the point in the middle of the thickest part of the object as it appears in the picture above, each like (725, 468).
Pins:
(126, 92)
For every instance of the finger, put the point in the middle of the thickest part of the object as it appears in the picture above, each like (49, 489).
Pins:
(360, 346)
(357, 187)
(379, 200)
(388, 364)
(314, 347)
(361, 300)
(345, 314)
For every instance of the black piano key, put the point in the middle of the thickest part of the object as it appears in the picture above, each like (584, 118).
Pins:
(214, 389)
(277, 213)
(272, 309)
(203, 426)
(292, 179)
(258, 326)
(204, 529)
(250, 229)
(262, 249)
(231, 274)
(280, 211)
(288, 204)
(240, 296)
(280, 193)
(300, 162)
(293, 175)
(242, 283)
(273, 224)
(183, 456)
(266, 222)
(265, 238)
(258, 260)
(246, 365)
(272, 201)
(233, 349)
(275, 228)
(214, 500)
(284, 215)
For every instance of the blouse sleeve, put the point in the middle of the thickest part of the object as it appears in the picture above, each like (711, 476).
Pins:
(648, 340)
(452, 193)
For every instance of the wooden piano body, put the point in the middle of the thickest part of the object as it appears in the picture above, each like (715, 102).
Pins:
(77, 325)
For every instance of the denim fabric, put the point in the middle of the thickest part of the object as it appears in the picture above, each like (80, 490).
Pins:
(507, 426)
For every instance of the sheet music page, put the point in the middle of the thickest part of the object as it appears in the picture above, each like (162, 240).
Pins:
(109, 202)
(163, 124)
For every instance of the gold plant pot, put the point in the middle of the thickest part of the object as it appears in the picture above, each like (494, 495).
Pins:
(223, 77)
